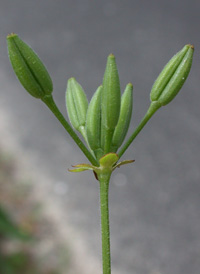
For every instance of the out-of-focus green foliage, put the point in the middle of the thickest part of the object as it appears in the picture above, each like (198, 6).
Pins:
(9, 229)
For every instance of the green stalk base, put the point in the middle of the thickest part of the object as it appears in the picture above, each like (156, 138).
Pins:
(105, 229)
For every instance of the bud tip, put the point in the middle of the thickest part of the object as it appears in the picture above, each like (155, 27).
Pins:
(130, 85)
(191, 46)
(71, 79)
(12, 34)
(111, 56)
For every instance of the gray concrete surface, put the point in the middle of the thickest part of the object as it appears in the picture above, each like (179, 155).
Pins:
(154, 204)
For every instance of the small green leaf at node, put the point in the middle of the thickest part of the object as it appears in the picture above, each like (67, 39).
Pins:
(108, 163)
(82, 167)
(108, 160)
(125, 162)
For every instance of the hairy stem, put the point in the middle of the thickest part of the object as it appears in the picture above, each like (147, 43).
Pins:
(105, 229)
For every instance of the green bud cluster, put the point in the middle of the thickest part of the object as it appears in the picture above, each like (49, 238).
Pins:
(109, 114)
(105, 121)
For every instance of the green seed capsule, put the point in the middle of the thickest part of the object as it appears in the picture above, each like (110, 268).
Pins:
(172, 77)
(124, 118)
(77, 104)
(28, 68)
(110, 102)
(93, 123)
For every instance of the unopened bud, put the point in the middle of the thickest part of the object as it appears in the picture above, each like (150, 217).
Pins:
(77, 104)
(93, 123)
(124, 118)
(110, 102)
(28, 68)
(172, 77)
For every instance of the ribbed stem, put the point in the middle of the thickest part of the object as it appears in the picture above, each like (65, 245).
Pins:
(105, 229)
(49, 101)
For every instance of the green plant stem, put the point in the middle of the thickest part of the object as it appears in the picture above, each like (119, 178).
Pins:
(82, 130)
(105, 229)
(152, 109)
(49, 101)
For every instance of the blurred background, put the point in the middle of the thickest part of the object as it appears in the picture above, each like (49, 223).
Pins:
(154, 204)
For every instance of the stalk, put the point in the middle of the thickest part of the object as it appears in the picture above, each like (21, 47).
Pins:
(152, 109)
(105, 229)
(49, 101)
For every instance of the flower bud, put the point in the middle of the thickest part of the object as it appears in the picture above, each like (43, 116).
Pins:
(172, 77)
(77, 104)
(93, 123)
(124, 118)
(28, 68)
(110, 102)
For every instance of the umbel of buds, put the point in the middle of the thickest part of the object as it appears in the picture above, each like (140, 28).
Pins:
(108, 114)
(104, 122)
